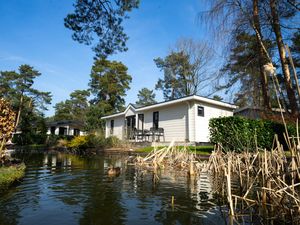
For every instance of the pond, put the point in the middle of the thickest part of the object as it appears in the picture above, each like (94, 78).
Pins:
(67, 189)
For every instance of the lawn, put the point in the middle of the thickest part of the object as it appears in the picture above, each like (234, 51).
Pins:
(201, 150)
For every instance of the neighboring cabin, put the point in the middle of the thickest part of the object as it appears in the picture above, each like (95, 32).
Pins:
(182, 120)
(65, 127)
(254, 112)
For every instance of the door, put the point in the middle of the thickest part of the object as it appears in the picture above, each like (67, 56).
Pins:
(130, 126)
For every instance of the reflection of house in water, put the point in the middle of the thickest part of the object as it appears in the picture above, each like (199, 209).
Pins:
(54, 162)
(116, 162)
(66, 127)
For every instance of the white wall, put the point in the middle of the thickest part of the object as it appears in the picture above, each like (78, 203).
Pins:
(118, 127)
(171, 118)
(201, 123)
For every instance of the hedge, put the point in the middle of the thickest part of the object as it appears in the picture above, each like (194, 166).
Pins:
(239, 133)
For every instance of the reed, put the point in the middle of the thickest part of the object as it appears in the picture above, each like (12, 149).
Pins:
(267, 179)
(173, 156)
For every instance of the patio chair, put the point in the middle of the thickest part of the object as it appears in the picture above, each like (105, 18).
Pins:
(147, 134)
(139, 134)
(160, 133)
(152, 133)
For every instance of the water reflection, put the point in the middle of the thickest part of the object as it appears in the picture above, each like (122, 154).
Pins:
(67, 189)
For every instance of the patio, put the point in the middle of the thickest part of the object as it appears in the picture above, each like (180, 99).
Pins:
(145, 135)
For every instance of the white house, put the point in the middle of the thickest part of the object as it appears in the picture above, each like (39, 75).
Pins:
(65, 127)
(183, 120)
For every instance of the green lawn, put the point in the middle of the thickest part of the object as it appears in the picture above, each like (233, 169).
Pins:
(10, 174)
(202, 150)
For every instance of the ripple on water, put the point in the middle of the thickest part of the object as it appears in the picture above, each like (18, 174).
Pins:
(63, 189)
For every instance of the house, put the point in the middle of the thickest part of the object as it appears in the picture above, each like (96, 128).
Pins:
(65, 127)
(182, 120)
(255, 112)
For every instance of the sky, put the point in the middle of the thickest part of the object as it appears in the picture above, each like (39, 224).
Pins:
(33, 32)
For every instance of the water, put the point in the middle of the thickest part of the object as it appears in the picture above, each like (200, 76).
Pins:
(67, 189)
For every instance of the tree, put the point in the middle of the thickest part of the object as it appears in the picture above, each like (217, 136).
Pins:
(146, 97)
(63, 111)
(200, 55)
(295, 49)
(176, 68)
(185, 69)
(93, 118)
(263, 18)
(284, 62)
(242, 70)
(74, 108)
(217, 98)
(101, 20)
(17, 89)
(261, 55)
(109, 83)
(7, 125)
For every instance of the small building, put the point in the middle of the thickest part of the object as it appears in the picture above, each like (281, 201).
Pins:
(65, 127)
(182, 120)
(255, 112)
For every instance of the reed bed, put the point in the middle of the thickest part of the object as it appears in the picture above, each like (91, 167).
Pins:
(265, 183)
(265, 179)
(174, 157)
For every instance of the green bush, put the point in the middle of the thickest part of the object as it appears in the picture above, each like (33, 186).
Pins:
(79, 142)
(53, 140)
(113, 141)
(29, 138)
(239, 133)
(94, 141)
(97, 141)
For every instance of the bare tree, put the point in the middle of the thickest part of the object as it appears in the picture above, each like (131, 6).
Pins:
(231, 16)
(201, 56)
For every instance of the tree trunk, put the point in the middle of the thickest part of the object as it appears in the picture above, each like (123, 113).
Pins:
(284, 64)
(19, 112)
(261, 56)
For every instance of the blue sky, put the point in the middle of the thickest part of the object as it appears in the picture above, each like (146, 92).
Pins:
(33, 32)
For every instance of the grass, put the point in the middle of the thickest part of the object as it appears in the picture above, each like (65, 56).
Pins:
(8, 175)
(201, 150)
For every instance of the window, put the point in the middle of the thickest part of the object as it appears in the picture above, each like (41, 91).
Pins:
(200, 111)
(155, 120)
(112, 123)
(62, 131)
(76, 132)
(52, 130)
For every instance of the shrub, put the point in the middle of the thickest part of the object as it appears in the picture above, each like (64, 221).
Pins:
(53, 140)
(97, 141)
(239, 133)
(9, 175)
(79, 142)
(113, 141)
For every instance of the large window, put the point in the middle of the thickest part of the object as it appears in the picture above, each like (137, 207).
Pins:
(155, 120)
(200, 111)
(112, 124)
